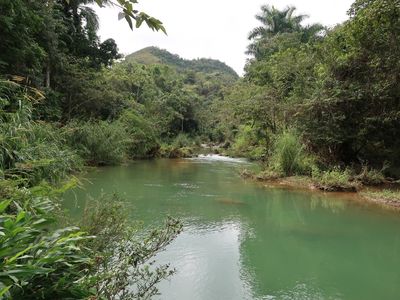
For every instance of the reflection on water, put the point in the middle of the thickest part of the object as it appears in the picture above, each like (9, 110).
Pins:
(244, 241)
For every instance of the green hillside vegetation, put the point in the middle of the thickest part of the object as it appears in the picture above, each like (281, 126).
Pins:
(154, 55)
(320, 102)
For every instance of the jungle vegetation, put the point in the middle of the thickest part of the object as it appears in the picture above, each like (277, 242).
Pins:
(315, 98)
(314, 101)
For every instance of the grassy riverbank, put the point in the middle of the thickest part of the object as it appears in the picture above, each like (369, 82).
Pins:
(385, 194)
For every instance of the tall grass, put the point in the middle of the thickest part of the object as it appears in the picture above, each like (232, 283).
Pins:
(289, 156)
(31, 150)
(98, 142)
(143, 138)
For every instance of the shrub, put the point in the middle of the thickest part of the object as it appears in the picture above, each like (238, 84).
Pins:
(98, 142)
(333, 180)
(249, 142)
(369, 176)
(335, 177)
(37, 261)
(143, 138)
(124, 251)
(31, 150)
(170, 151)
(112, 260)
(181, 140)
(289, 156)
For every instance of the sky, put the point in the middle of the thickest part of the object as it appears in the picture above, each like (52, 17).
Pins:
(215, 29)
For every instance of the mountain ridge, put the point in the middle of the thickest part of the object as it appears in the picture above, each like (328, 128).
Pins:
(155, 55)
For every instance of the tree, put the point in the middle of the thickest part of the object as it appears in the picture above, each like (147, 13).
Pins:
(277, 22)
(354, 112)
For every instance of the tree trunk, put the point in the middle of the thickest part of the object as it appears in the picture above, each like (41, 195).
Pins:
(48, 74)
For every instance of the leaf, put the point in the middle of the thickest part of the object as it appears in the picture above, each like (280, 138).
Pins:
(4, 204)
(99, 3)
(128, 19)
(20, 216)
(121, 15)
(3, 291)
(12, 259)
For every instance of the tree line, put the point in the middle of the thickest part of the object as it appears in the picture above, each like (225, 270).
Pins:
(330, 93)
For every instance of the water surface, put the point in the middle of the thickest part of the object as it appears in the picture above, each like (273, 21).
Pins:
(242, 240)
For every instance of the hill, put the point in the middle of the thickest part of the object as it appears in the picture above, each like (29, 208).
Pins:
(155, 55)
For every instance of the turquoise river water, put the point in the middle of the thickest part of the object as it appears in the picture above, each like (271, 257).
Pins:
(242, 240)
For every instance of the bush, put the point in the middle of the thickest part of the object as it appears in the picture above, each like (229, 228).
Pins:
(34, 151)
(124, 251)
(249, 142)
(170, 151)
(333, 180)
(181, 140)
(370, 176)
(98, 142)
(143, 138)
(289, 156)
(37, 261)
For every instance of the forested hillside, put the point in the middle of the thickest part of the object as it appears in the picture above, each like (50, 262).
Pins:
(154, 55)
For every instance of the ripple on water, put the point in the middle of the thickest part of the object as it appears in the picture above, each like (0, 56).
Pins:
(187, 185)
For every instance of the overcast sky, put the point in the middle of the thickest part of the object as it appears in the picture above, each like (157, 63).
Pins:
(208, 28)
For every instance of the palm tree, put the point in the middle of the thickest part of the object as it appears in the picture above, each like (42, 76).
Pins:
(274, 22)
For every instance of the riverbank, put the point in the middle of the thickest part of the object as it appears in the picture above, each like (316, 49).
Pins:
(387, 195)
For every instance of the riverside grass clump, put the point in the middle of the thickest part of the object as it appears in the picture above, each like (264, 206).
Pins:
(30, 150)
(335, 179)
(98, 142)
(289, 156)
(385, 195)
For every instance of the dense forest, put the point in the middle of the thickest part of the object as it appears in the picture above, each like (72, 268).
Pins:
(314, 101)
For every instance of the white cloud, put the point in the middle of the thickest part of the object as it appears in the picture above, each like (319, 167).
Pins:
(208, 28)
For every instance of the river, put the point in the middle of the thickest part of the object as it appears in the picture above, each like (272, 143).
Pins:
(242, 240)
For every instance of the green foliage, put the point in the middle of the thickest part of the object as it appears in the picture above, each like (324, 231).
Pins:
(358, 74)
(143, 138)
(182, 140)
(170, 151)
(289, 156)
(36, 261)
(370, 176)
(338, 89)
(124, 267)
(113, 259)
(277, 22)
(334, 179)
(32, 150)
(98, 142)
(250, 142)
